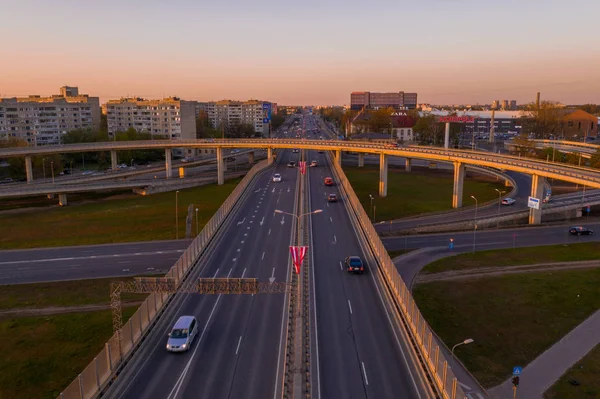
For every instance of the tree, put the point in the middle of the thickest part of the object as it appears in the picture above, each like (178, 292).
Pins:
(595, 160)
(593, 109)
(543, 122)
(523, 145)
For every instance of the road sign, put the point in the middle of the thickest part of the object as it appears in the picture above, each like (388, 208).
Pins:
(533, 203)
(517, 370)
(266, 112)
(451, 245)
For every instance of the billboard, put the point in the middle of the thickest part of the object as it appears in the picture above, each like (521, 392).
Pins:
(266, 112)
(457, 119)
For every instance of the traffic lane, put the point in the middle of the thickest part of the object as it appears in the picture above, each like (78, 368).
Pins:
(382, 371)
(436, 246)
(174, 374)
(22, 272)
(339, 368)
(13, 255)
(220, 378)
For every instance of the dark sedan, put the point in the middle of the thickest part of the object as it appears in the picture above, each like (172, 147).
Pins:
(580, 230)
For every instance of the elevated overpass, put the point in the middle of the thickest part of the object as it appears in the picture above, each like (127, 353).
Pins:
(539, 170)
(570, 147)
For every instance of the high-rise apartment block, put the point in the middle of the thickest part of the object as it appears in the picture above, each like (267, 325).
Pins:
(505, 105)
(396, 100)
(227, 113)
(513, 105)
(170, 117)
(43, 120)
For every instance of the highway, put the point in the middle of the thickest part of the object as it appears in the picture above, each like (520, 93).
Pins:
(238, 352)
(359, 354)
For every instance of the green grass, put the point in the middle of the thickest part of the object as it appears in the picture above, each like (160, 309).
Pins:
(517, 256)
(61, 294)
(42, 355)
(142, 218)
(44, 202)
(512, 318)
(394, 254)
(587, 372)
(414, 193)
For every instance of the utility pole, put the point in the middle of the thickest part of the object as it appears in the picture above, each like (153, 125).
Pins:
(492, 127)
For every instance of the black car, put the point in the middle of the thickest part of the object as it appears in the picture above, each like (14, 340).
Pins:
(332, 198)
(354, 265)
(580, 230)
(291, 164)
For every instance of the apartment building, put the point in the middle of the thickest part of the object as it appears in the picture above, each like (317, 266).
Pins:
(43, 120)
(368, 100)
(171, 117)
(229, 112)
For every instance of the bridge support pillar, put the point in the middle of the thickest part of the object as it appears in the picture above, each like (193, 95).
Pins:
(407, 164)
(220, 167)
(168, 163)
(251, 157)
(269, 156)
(28, 169)
(383, 175)
(459, 179)
(447, 135)
(537, 191)
(337, 156)
(507, 183)
(113, 160)
(62, 199)
(361, 159)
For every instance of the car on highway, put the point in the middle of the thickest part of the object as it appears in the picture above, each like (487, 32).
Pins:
(314, 163)
(332, 198)
(291, 164)
(508, 201)
(328, 181)
(321, 152)
(87, 172)
(580, 231)
(295, 150)
(182, 334)
(354, 265)
(277, 178)
(7, 180)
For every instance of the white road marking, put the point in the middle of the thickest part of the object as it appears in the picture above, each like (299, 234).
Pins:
(269, 231)
(328, 205)
(273, 190)
(278, 200)
(263, 256)
(238, 250)
(217, 272)
(242, 222)
(350, 306)
(241, 242)
(341, 267)
(124, 261)
(248, 228)
(262, 221)
(229, 274)
(234, 259)
(331, 220)
(468, 388)
(238, 347)
(282, 220)
(245, 234)
(365, 373)
(253, 216)
(335, 239)
(244, 272)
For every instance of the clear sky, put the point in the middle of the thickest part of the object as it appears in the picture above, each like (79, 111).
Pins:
(303, 52)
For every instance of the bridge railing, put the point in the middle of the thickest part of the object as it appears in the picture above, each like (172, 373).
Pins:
(422, 334)
(95, 377)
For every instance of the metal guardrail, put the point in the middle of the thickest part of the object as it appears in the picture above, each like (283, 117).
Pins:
(437, 366)
(95, 377)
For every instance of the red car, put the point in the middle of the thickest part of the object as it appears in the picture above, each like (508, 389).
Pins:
(328, 181)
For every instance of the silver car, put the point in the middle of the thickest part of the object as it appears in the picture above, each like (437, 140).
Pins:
(182, 335)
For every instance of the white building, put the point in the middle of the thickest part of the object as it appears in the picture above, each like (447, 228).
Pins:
(228, 113)
(43, 120)
(171, 117)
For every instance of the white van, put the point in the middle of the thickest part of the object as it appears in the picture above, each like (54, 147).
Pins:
(182, 334)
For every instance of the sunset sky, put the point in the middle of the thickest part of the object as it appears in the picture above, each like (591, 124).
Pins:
(304, 52)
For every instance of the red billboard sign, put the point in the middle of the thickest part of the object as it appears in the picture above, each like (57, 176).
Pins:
(457, 119)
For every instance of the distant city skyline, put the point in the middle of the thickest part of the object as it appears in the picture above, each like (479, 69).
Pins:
(303, 53)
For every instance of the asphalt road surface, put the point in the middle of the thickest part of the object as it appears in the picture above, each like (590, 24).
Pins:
(359, 354)
(237, 352)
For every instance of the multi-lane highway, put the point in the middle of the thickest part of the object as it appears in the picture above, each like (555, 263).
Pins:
(238, 350)
(359, 354)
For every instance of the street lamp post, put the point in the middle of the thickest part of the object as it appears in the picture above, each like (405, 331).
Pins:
(52, 167)
(44, 166)
(475, 222)
(71, 167)
(131, 164)
(372, 209)
(499, 202)
(176, 215)
(465, 342)
(196, 221)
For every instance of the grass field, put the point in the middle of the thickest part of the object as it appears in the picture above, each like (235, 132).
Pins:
(61, 294)
(73, 199)
(42, 355)
(142, 218)
(517, 256)
(512, 318)
(419, 191)
(586, 372)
